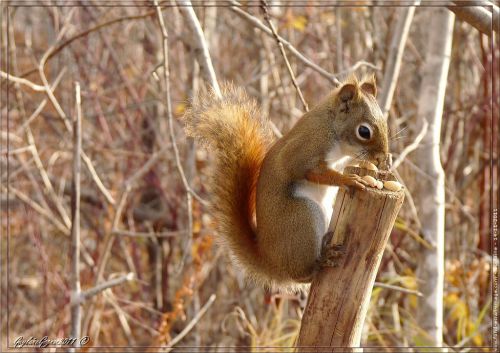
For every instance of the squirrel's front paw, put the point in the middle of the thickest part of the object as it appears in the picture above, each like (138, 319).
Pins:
(354, 180)
(333, 255)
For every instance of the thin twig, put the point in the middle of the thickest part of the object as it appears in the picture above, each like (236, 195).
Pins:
(40, 107)
(450, 193)
(283, 53)
(129, 184)
(141, 305)
(88, 294)
(395, 56)
(86, 32)
(356, 66)
(62, 114)
(49, 189)
(39, 209)
(199, 43)
(76, 309)
(192, 323)
(7, 135)
(31, 141)
(125, 316)
(41, 71)
(397, 288)
(23, 149)
(409, 200)
(122, 317)
(22, 81)
(258, 24)
(97, 180)
(128, 187)
(139, 173)
(203, 55)
(411, 147)
(50, 96)
(210, 75)
(132, 234)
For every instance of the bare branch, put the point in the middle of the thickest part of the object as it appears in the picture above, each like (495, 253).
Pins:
(85, 295)
(49, 91)
(411, 147)
(131, 234)
(200, 45)
(49, 190)
(62, 114)
(475, 15)
(256, 22)
(23, 149)
(97, 179)
(22, 81)
(76, 309)
(128, 186)
(88, 31)
(122, 317)
(41, 71)
(191, 324)
(397, 288)
(283, 54)
(40, 107)
(395, 56)
(206, 67)
(39, 209)
(356, 66)
(203, 56)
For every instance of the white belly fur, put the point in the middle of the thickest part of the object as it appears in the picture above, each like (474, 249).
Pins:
(324, 195)
(321, 194)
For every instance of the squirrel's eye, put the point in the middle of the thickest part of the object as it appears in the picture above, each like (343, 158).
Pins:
(364, 132)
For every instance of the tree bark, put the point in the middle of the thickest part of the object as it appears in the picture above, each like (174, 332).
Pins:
(430, 195)
(338, 301)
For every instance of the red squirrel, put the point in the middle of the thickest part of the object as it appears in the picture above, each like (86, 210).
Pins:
(272, 199)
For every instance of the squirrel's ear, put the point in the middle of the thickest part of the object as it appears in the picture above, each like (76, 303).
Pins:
(347, 92)
(370, 86)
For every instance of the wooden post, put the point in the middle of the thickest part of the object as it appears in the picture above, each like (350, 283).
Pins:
(338, 300)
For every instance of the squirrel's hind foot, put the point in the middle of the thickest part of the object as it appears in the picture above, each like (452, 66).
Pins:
(331, 255)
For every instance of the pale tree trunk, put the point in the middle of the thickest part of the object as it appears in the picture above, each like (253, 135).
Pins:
(431, 195)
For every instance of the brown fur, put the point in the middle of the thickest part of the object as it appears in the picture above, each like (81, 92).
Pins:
(234, 129)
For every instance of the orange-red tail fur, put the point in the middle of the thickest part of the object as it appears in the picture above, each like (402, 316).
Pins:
(235, 130)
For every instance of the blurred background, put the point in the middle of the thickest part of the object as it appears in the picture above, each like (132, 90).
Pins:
(154, 245)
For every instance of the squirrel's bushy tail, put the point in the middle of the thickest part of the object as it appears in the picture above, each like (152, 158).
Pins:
(235, 130)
